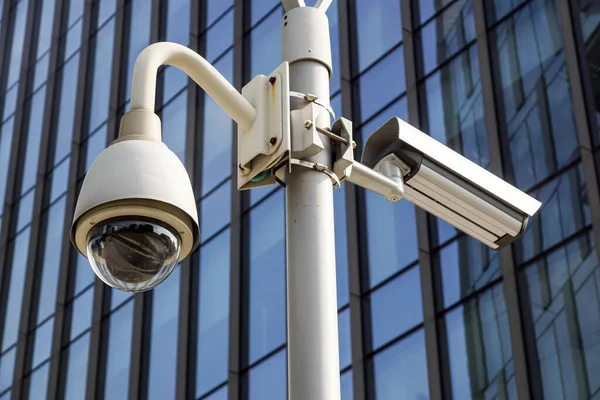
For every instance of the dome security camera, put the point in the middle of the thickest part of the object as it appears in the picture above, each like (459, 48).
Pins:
(136, 215)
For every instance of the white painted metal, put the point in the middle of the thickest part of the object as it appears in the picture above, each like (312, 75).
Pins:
(143, 88)
(313, 350)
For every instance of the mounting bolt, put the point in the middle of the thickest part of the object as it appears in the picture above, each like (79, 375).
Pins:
(272, 80)
(353, 144)
(308, 124)
(243, 170)
(273, 140)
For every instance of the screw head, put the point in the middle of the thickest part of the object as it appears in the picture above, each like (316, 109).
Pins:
(308, 124)
(272, 80)
(273, 140)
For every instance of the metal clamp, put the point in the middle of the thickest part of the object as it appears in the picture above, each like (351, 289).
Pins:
(313, 99)
(318, 167)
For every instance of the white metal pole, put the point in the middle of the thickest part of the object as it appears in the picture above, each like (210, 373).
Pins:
(313, 350)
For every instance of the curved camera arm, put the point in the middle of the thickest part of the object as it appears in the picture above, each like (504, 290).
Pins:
(143, 87)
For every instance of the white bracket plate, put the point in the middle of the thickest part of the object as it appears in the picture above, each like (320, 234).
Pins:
(267, 143)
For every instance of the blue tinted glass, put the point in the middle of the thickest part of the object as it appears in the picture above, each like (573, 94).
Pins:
(332, 14)
(401, 370)
(379, 28)
(216, 8)
(38, 382)
(391, 236)
(261, 192)
(84, 275)
(479, 346)
(25, 210)
(219, 37)
(565, 310)
(346, 390)
(119, 348)
(7, 368)
(395, 307)
(267, 322)
(6, 396)
(453, 108)
(10, 101)
(336, 105)
(589, 15)
(19, 13)
(444, 36)
(73, 41)
(265, 45)
(341, 247)
(382, 84)
(139, 35)
(163, 343)
(75, 11)
(496, 9)
(76, 375)
(102, 75)
(94, 146)
(66, 115)
(174, 125)
(15, 292)
(60, 178)
(6, 135)
(465, 265)
(261, 7)
(344, 338)
(535, 93)
(178, 31)
(118, 297)
(213, 314)
(217, 134)
(268, 380)
(564, 212)
(45, 27)
(215, 211)
(107, 8)
(220, 394)
(43, 342)
(81, 308)
(398, 109)
(429, 7)
(51, 261)
(41, 71)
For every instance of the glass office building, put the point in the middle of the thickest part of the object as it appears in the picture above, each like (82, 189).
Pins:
(424, 312)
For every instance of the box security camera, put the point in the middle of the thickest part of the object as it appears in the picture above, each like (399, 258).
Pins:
(450, 186)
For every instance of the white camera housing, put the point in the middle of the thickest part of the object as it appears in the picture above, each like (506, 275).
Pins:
(450, 186)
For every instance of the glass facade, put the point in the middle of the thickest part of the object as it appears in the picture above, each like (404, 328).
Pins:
(424, 312)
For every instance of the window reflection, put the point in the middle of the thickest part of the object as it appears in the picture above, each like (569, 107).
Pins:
(76, 373)
(379, 28)
(535, 94)
(344, 338)
(398, 109)
(347, 392)
(563, 297)
(341, 247)
(382, 84)
(178, 31)
(391, 236)
(45, 27)
(7, 368)
(452, 110)
(266, 278)
(81, 309)
(174, 122)
(479, 349)
(268, 380)
(219, 37)
(265, 44)
(43, 342)
(215, 211)
(259, 8)
(51, 261)
(465, 266)
(59, 177)
(213, 314)
(220, 394)
(217, 134)
(332, 15)
(29, 172)
(102, 74)
(447, 34)
(20, 247)
(66, 115)
(6, 136)
(38, 382)
(564, 212)
(400, 371)
(395, 308)
(163, 338)
(216, 8)
(497, 9)
(139, 35)
(119, 349)
(19, 13)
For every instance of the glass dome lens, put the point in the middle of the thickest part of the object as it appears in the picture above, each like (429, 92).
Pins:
(133, 255)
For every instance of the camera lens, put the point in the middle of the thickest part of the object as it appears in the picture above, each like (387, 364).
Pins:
(133, 255)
